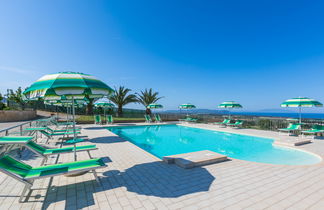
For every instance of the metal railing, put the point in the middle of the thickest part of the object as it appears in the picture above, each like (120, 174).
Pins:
(255, 122)
(19, 129)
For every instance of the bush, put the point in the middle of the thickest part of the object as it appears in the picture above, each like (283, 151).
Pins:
(264, 124)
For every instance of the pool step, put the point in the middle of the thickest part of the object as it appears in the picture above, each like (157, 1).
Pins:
(194, 159)
(293, 142)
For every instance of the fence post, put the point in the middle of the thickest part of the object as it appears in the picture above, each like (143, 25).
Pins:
(21, 130)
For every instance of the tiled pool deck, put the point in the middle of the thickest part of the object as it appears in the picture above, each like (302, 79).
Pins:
(135, 179)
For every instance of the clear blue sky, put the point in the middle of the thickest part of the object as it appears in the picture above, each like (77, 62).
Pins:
(204, 52)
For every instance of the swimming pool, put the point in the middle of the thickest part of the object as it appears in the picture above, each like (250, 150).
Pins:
(164, 140)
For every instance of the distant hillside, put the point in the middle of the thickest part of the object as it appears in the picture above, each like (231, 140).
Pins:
(200, 111)
(276, 111)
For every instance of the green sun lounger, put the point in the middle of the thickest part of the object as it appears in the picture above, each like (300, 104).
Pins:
(15, 139)
(157, 118)
(50, 129)
(42, 151)
(27, 174)
(109, 119)
(61, 130)
(188, 119)
(224, 123)
(291, 128)
(148, 118)
(50, 135)
(237, 124)
(97, 119)
(315, 130)
(61, 123)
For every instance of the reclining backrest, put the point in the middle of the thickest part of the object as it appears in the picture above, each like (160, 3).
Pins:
(36, 147)
(11, 165)
(109, 118)
(157, 117)
(97, 118)
(295, 126)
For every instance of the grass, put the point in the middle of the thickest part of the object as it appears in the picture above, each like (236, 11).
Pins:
(89, 118)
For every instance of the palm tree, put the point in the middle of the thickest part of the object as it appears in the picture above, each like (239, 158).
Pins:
(147, 97)
(121, 97)
(89, 107)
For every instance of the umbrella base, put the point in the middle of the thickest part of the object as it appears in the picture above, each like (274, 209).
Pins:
(76, 174)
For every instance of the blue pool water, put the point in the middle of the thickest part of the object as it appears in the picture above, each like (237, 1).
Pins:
(167, 140)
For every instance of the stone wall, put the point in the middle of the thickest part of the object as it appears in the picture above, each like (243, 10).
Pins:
(13, 115)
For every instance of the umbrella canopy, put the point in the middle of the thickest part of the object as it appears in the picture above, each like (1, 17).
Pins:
(104, 104)
(67, 84)
(301, 102)
(154, 106)
(230, 105)
(187, 106)
(64, 101)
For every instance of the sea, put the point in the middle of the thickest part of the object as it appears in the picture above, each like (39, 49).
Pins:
(279, 114)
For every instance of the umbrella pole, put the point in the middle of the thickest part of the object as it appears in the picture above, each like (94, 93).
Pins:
(74, 132)
(300, 115)
(67, 113)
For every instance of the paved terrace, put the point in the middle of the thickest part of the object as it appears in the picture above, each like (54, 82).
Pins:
(135, 179)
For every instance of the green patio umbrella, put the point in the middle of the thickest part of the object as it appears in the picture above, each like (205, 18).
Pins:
(70, 86)
(104, 104)
(301, 102)
(154, 106)
(230, 105)
(59, 101)
(187, 106)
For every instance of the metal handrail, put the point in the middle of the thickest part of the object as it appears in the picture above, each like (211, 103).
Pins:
(6, 130)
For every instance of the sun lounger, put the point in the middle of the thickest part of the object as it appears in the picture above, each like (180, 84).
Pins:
(148, 118)
(237, 124)
(10, 141)
(109, 119)
(316, 129)
(50, 129)
(27, 174)
(224, 123)
(188, 119)
(291, 128)
(42, 151)
(50, 135)
(60, 123)
(97, 119)
(157, 118)
(61, 130)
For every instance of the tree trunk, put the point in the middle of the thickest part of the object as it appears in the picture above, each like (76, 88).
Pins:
(120, 111)
(90, 107)
(148, 111)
